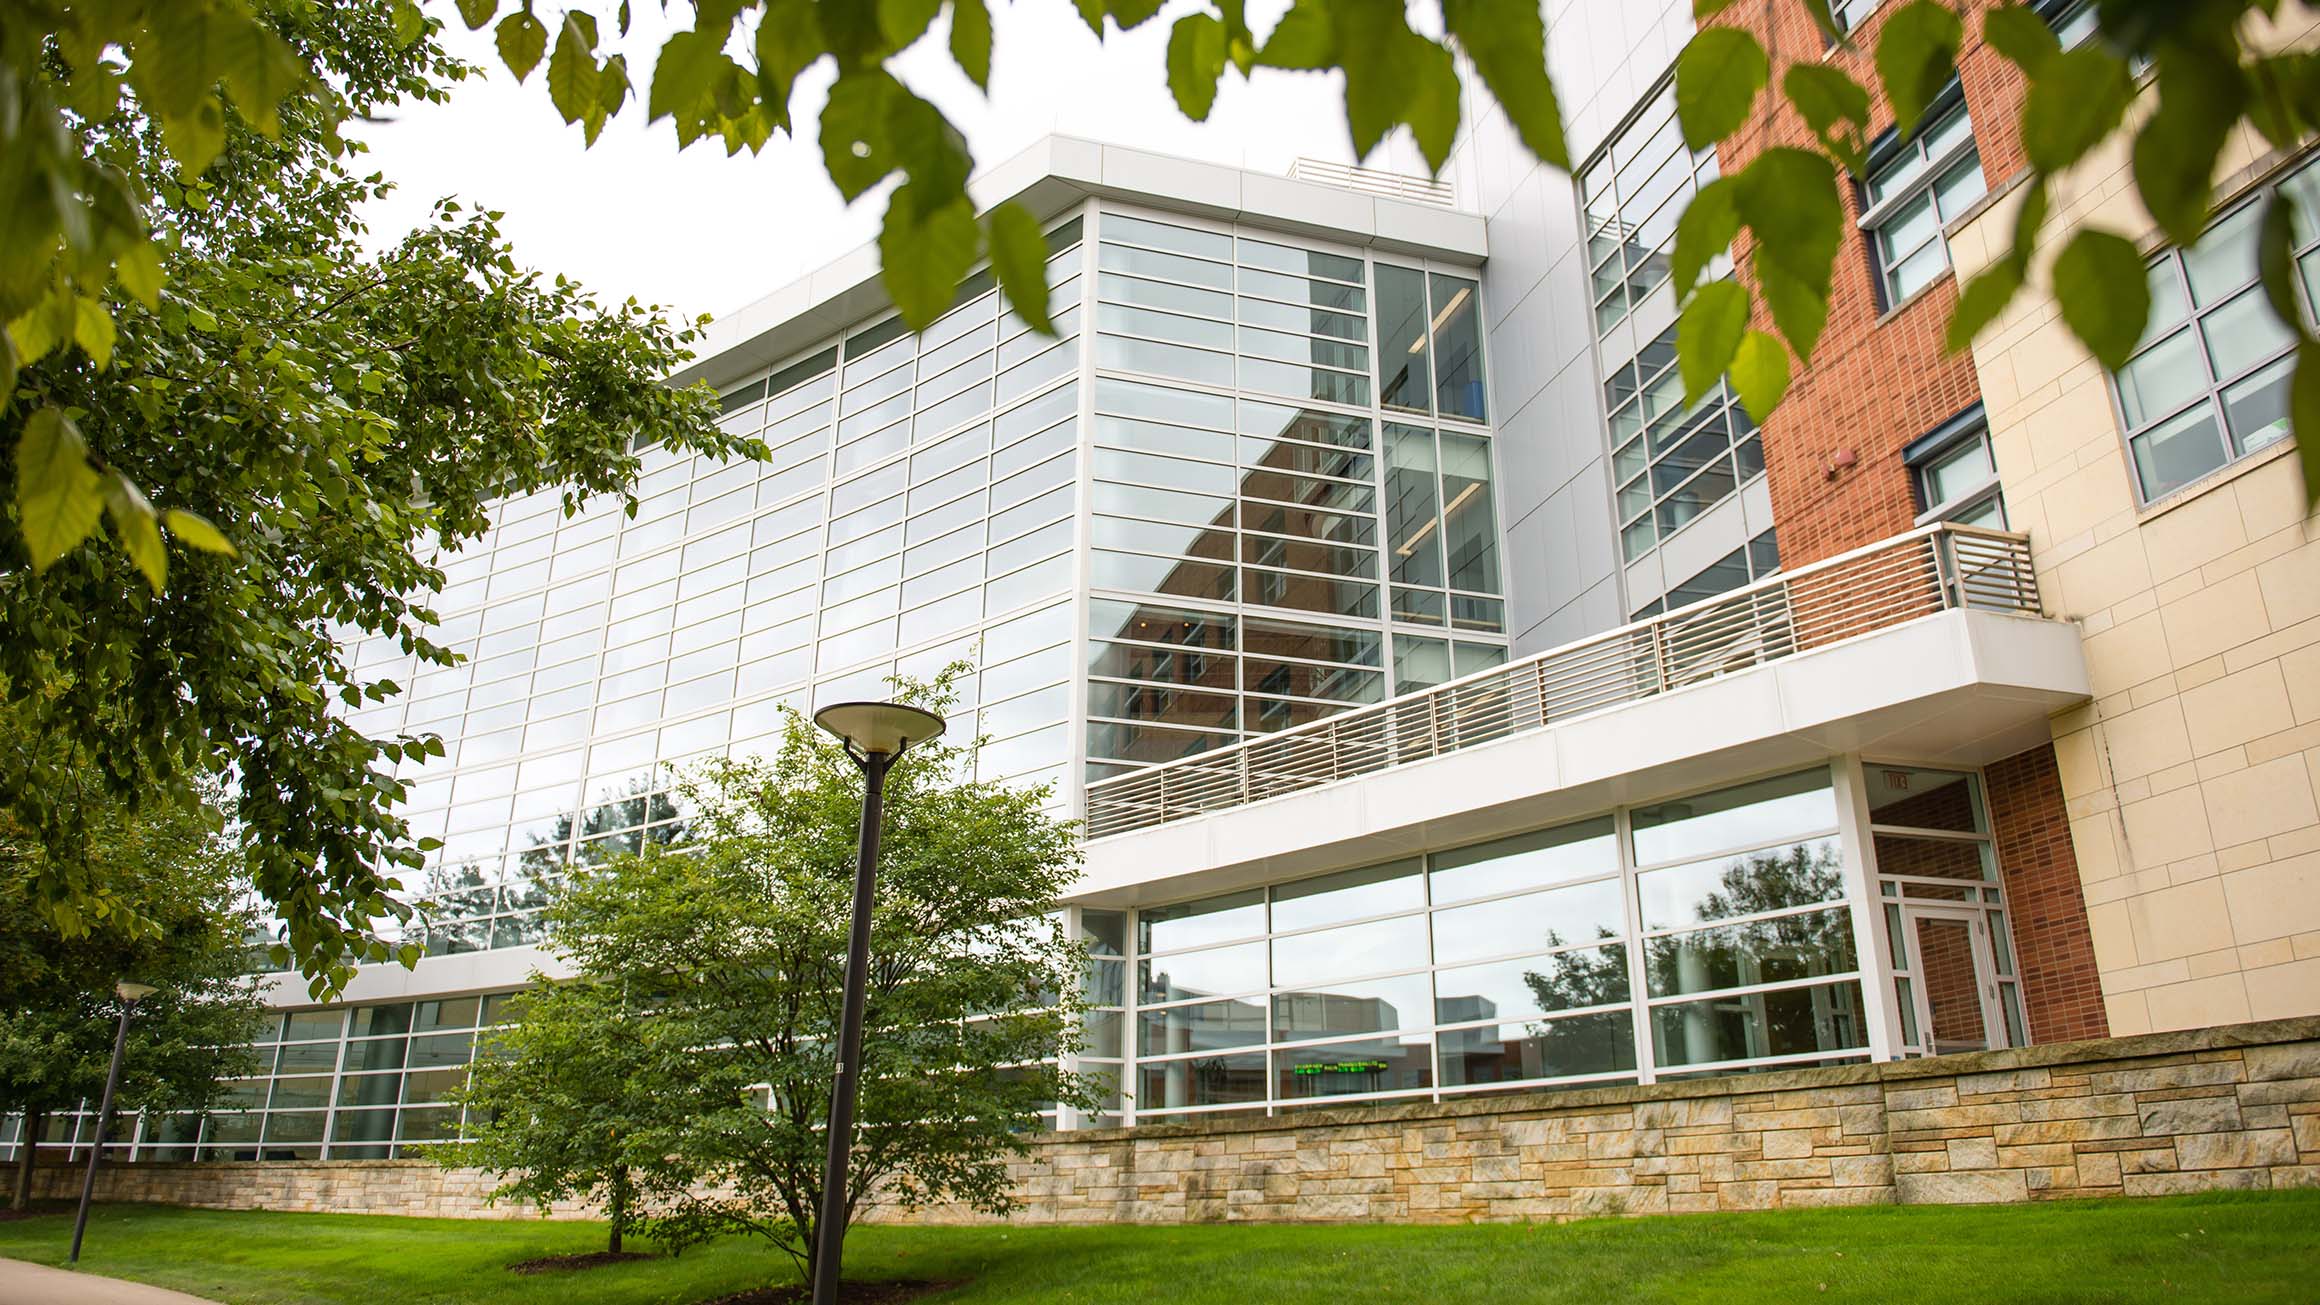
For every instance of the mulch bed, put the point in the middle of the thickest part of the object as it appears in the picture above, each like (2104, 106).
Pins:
(37, 1210)
(565, 1263)
(852, 1293)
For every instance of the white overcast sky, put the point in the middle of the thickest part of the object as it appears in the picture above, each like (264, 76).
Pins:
(704, 233)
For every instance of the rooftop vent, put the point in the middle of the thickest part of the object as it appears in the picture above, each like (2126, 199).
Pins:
(1372, 181)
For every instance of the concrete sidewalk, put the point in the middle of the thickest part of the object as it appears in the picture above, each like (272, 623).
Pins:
(37, 1284)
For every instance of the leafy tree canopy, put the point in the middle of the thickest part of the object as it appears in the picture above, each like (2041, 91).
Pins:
(171, 867)
(338, 417)
(731, 76)
(719, 960)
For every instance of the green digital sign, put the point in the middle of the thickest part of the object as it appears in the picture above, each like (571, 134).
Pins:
(1342, 1067)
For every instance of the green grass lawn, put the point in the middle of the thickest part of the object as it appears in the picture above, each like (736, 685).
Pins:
(2240, 1248)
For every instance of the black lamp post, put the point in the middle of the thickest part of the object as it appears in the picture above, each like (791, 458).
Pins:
(130, 994)
(875, 735)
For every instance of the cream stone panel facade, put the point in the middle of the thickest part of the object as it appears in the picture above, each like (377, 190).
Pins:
(2193, 778)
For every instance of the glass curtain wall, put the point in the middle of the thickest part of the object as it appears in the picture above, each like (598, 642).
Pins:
(362, 1082)
(1280, 527)
(917, 507)
(1669, 463)
(1707, 935)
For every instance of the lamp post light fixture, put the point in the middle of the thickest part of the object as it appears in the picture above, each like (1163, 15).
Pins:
(130, 994)
(876, 734)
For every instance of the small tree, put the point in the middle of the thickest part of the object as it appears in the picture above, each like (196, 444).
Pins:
(564, 1097)
(734, 941)
(177, 921)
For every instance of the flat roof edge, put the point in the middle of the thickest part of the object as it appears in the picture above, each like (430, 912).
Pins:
(1053, 175)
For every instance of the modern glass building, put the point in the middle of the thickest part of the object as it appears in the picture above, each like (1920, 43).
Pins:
(1448, 712)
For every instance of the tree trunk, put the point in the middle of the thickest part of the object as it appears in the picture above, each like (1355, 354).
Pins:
(619, 1209)
(34, 1121)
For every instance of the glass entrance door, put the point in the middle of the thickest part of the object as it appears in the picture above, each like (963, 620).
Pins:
(1957, 980)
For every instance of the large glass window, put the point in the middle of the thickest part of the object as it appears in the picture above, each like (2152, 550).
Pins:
(2209, 383)
(1914, 188)
(1672, 463)
(1509, 961)
(599, 646)
(1274, 503)
(1742, 902)
(1631, 194)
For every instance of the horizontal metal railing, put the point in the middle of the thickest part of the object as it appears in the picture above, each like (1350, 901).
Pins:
(1934, 568)
(1373, 181)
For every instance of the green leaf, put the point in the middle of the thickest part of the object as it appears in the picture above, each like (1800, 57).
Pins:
(572, 71)
(1433, 107)
(971, 40)
(2076, 100)
(1916, 56)
(1708, 333)
(926, 248)
(789, 40)
(93, 331)
(1019, 258)
(1709, 8)
(681, 75)
(1195, 63)
(1304, 40)
(1788, 198)
(611, 93)
(197, 531)
(854, 127)
(522, 40)
(2304, 416)
(2105, 294)
(902, 22)
(475, 13)
(1979, 303)
(1131, 14)
(1506, 41)
(409, 25)
(138, 529)
(1705, 229)
(2176, 151)
(1717, 78)
(139, 271)
(2276, 260)
(196, 137)
(59, 496)
(1800, 308)
(1392, 75)
(1760, 374)
(2017, 32)
(1836, 108)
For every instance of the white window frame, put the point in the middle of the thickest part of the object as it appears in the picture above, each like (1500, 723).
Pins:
(2304, 244)
(1876, 218)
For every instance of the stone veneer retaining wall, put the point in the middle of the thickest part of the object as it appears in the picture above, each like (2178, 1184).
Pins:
(2230, 1107)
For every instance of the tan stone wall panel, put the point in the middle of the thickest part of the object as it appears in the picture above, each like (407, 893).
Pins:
(2235, 1107)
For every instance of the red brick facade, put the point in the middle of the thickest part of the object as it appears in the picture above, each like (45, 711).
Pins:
(1880, 376)
(2052, 946)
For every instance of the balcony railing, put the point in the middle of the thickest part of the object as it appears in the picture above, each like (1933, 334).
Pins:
(1372, 181)
(1932, 569)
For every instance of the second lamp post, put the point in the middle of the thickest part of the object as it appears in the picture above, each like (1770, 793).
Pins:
(876, 734)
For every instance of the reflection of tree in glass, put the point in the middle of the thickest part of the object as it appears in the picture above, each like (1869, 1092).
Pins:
(1590, 976)
(1761, 951)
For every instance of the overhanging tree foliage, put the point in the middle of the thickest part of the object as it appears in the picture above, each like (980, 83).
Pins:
(175, 871)
(339, 417)
(732, 76)
(719, 960)
(2212, 68)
